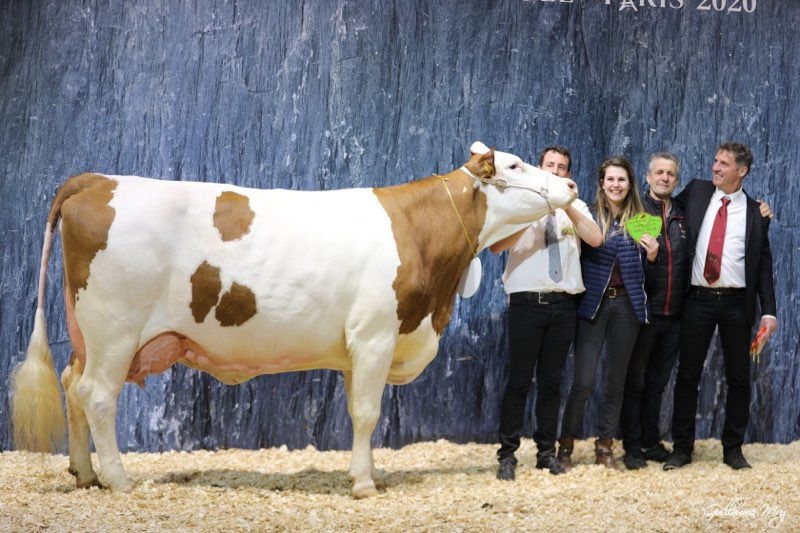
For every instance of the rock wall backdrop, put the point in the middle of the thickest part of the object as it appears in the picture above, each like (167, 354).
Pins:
(328, 94)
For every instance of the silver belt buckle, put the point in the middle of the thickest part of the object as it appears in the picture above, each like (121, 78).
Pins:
(539, 297)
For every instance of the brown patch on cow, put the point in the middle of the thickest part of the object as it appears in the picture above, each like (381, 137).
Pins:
(206, 286)
(74, 332)
(84, 205)
(431, 244)
(236, 306)
(232, 215)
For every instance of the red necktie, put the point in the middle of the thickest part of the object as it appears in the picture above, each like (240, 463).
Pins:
(716, 242)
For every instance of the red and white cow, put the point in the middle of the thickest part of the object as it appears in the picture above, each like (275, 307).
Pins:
(241, 282)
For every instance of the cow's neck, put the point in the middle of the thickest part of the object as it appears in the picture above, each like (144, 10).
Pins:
(436, 222)
(451, 220)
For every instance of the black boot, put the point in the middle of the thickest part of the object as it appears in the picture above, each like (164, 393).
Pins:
(548, 461)
(505, 470)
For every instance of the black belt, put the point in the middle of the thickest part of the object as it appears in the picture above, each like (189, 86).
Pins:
(541, 297)
(716, 292)
(613, 292)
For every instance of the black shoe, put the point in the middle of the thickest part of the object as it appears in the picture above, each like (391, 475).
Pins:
(735, 459)
(505, 471)
(657, 453)
(634, 460)
(677, 459)
(551, 463)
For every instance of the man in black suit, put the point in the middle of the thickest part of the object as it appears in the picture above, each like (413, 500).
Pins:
(731, 265)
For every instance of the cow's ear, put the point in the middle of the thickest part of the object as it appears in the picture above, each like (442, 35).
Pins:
(478, 148)
(486, 163)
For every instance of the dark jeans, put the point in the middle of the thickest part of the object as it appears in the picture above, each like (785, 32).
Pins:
(539, 336)
(616, 325)
(702, 314)
(649, 370)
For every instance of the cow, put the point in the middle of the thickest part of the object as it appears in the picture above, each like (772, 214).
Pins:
(240, 282)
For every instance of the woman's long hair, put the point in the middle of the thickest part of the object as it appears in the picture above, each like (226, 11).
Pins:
(631, 205)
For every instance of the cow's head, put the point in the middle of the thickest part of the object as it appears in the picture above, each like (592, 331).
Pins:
(517, 193)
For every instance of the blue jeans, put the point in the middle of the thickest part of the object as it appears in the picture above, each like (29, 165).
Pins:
(615, 325)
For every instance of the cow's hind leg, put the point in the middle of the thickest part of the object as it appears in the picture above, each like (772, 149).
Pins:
(364, 386)
(80, 459)
(98, 389)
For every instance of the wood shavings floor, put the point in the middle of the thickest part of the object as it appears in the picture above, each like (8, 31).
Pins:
(435, 486)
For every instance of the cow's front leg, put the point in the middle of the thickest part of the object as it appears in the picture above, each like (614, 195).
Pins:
(364, 386)
(80, 459)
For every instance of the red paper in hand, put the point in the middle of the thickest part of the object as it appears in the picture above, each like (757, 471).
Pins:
(758, 343)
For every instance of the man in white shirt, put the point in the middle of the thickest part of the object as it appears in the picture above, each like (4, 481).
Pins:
(542, 277)
(730, 267)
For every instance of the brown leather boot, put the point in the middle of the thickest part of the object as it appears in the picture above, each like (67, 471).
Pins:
(565, 447)
(604, 453)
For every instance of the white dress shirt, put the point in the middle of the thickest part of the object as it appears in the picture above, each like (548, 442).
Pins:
(527, 268)
(732, 269)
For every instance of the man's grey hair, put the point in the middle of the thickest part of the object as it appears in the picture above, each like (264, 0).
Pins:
(669, 156)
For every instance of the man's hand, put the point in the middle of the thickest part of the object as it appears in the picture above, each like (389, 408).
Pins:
(770, 324)
(650, 245)
(766, 212)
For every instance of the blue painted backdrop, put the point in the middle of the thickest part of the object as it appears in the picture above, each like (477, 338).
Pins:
(325, 94)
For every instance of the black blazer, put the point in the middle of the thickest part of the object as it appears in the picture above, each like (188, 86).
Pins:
(694, 199)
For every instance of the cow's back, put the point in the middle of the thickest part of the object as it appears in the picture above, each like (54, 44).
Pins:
(263, 279)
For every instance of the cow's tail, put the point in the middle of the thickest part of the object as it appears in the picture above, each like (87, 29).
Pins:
(36, 410)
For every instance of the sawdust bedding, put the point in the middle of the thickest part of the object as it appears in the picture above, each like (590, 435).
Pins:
(436, 486)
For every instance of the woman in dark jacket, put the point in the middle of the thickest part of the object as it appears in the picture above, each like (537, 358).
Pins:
(610, 311)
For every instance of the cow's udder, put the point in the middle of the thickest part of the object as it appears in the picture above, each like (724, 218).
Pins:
(166, 349)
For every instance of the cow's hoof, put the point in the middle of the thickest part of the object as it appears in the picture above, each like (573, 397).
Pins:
(94, 482)
(364, 489)
(121, 487)
(86, 482)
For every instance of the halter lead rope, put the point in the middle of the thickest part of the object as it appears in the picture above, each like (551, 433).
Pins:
(503, 184)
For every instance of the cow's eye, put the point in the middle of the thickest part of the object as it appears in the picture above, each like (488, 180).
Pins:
(514, 166)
